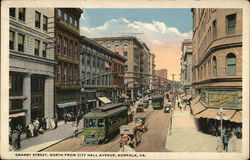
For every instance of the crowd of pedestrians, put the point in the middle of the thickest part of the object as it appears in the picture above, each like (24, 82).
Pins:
(33, 129)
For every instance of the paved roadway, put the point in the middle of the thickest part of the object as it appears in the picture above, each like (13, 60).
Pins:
(153, 140)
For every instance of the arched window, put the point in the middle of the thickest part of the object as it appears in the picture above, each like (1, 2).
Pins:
(231, 64)
(214, 65)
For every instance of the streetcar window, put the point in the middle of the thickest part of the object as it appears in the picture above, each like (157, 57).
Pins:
(86, 122)
(100, 123)
(92, 123)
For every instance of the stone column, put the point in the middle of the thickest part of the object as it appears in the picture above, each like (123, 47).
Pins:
(49, 97)
(27, 93)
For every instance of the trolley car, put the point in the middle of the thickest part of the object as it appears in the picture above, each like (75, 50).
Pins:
(157, 102)
(103, 122)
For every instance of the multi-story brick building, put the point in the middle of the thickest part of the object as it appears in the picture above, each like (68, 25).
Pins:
(67, 54)
(217, 64)
(31, 64)
(145, 69)
(131, 48)
(186, 66)
(98, 65)
(152, 71)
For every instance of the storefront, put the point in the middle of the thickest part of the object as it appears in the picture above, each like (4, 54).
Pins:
(17, 118)
(68, 109)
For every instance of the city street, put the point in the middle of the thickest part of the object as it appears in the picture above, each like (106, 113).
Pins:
(153, 140)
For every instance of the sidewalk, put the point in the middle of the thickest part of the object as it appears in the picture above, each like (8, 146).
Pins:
(50, 137)
(185, 136)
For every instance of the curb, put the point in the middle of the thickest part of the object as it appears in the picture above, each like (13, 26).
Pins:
(57, 142)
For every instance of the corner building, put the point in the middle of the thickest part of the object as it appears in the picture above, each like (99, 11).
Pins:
(67, 54)
(217, 66)
(31, 52)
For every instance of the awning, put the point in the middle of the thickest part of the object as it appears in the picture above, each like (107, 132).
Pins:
(237, 117)
(212, 113)
(197, 108)
(91, 100)
(105, 100)
(63, 105)
(195, 100)
(125, 96)
(17, 115)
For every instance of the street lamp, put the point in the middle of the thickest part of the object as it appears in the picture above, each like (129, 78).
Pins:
(220, 116)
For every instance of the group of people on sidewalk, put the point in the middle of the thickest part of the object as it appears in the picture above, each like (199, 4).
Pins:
(33, 129)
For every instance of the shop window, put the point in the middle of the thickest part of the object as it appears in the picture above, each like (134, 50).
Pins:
(21, 14)
(12, 40)
(231, 64)
(231, 24)
(20, 42)
(214, 61)
(16, 84)
(44, 49)
(37, 47)
(12, 12)
(45, 23)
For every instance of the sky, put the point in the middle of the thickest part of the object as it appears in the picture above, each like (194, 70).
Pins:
(162, 30)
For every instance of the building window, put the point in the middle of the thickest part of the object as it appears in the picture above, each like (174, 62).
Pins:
(65, 73)
(125, 54)
(45, 23)
(21, 14)
(65, 46)
(59, 45)
(44, 49)
(37, 19)
(37, 46)
(125, 45)
(11, 41)
(231, 24)
(65, 17)
(59, 73)
(83, 59)
(70, 20)
(214, 29)
(88, 59)
(70, 73)
(20, 42)
(126, 68)
(70, 48)
(214, 63)
(76, 50)
(116, 45)
(59, 13)
(12, 12)
(231, 64)
(76, 23)
(75, 73)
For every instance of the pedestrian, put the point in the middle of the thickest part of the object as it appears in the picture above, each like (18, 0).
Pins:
(31, 129)
(219, 145)
(44, 123)
(19, 132)
(65, 118)
(56, 120)
(75, 128)
(14, 138)
(225, 139)
(233, 143)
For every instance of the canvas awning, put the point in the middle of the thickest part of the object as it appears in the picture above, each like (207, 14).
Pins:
(195, 100)
(63, 105)
(237, 117)
(212, 113)
(105, 100)
(197, 108)
(91, 100)
(124, 96)
(17, 115)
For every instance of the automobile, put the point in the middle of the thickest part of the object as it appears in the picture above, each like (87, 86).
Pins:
(140, 123)
(129, 135)
(167, 109)
(140, 108)
(143, 105)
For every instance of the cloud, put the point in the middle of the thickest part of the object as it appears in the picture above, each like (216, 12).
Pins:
(163, 41)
